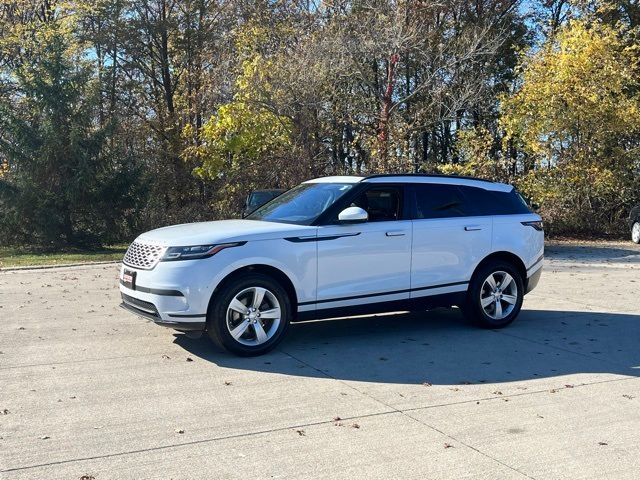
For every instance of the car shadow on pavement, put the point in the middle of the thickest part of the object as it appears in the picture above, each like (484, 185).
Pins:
(440, 347)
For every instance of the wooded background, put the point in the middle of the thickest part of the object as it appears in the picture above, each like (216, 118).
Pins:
(117, 116)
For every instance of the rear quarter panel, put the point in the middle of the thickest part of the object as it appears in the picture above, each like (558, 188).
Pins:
(509, 235)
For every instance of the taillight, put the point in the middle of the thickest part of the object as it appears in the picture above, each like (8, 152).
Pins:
(537, 224)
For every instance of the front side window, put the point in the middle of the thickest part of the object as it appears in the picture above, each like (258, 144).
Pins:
(381, 203)
(438, 201)
(302, 204)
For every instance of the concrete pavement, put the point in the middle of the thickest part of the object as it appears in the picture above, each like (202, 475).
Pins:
(87, 389)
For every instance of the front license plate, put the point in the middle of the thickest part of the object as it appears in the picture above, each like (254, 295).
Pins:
(129, 279)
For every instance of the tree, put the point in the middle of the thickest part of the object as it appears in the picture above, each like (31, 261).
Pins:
(578, 114)
(59, 187)
(244, 142)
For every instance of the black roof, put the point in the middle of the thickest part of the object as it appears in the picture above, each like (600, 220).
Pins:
(434, 175)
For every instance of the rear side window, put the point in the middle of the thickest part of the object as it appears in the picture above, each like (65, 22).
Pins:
(434, 200)
(487, 202)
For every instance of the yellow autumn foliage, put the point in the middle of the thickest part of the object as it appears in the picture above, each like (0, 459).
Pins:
(575, 115)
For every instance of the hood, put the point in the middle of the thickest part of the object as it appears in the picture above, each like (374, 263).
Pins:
(222, 231)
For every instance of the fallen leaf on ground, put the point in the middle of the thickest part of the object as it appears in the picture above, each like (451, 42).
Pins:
(300, 432)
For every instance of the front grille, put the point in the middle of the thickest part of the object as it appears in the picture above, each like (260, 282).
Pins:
(141, 306)
(143, 255)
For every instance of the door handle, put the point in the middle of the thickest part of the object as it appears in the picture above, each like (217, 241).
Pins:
(472, 228)
(395, 233)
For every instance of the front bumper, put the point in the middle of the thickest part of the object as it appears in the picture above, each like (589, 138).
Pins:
(149, 312)
(171, 295)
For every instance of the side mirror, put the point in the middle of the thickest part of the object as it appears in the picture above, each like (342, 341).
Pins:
(353, 215)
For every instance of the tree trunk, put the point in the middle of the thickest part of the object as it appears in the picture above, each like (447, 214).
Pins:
(385, 112)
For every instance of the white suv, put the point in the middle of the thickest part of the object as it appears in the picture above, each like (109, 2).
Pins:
(339, 246)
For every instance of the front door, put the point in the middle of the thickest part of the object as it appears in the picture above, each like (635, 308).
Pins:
(367, 262)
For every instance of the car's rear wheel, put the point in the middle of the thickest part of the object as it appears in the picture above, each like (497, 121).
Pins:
(495, 295)
(635, 232)
(249, 315)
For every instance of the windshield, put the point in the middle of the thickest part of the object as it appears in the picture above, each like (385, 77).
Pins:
(301, 205)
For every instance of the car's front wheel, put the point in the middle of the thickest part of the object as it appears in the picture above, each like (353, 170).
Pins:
(249, 315)
(635, 232)
(495, 295)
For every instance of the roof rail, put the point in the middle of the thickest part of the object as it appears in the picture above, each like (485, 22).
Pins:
(435, 175)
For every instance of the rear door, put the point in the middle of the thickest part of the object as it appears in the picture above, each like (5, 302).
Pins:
(448, 239)
(366, 262)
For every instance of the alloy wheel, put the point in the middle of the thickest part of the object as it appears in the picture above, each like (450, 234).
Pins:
(498, 295)
(253, 316)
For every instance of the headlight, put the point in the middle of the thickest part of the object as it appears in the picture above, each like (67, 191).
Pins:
(195, 252)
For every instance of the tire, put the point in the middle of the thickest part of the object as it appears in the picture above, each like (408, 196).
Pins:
(236, 328)
(480, 291)
(635, 232)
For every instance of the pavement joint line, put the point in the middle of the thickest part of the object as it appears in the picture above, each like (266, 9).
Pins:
(516, 395)
(392, 411)
(404, 412)
(71, 362)
(477, 450)
(193, 442)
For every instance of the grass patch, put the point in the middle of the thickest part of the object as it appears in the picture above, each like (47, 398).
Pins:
(31, 257)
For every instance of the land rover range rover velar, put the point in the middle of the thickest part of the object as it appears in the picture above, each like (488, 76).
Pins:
(340, 246)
